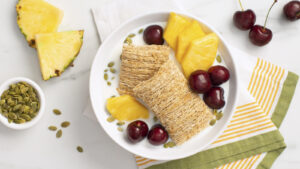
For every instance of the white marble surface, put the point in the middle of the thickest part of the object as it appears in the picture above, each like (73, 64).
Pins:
(37, 148)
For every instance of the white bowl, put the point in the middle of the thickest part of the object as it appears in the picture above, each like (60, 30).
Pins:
(111, 49)
(4, 86)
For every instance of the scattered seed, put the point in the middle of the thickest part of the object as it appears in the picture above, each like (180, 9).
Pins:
(215, 111)
(141, 30)
(112, 96)
(110, 119)
(65, 124)
(52, 128)
(219, 115)
(57, 112)
(120, 123)
(169, 144)
(131, 35)
(155, 119)
(113, 78)
(59, 133)
(111, 64)
(109, 83)
(79, 149)
(212, 122)
(105, 70)
(128, 41)
(120, 129)
(219, 59)
(112, 70)
(105, 76)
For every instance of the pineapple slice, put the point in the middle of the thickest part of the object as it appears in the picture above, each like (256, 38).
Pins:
(126, 108)
(37, 16)
(176, 24)
(192, 32)
(57, 51)
(201, 54)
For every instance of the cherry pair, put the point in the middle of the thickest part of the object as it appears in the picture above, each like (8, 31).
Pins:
(260, 35)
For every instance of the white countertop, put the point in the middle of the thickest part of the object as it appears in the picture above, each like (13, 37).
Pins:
(38, 148)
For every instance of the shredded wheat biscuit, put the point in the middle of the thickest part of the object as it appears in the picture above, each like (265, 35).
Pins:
(180, 111)
(139, 63)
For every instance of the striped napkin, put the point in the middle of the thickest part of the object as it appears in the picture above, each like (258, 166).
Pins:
(251, 139)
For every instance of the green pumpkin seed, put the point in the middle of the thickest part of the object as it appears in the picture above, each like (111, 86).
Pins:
(131, 35)
(19, 121)
(59, 133)
(141, 30)
(12, 116)
(112, 70)
(120, 123)
(215, 111)
(155, 119)
(219, 115)
(212, 122)
(219, 59)
(112, 96)
(65, 124)
(79, 149)
(26, 117)
(105, 76)
(9, 120)
(110, 119)
(128, 41)
(111, 64)
(109, 83)
(113, 78)
(52, 128)
(105, 70)
(57, 112)
(120, 129)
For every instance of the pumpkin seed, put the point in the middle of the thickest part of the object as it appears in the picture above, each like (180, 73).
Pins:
(113, 78)
(110, 119)
(65, 124)
(19, 121)
(109, 83)
(120, 123)
(59, 133)
(219, 115)
(120, 129)
(131, 35)
(52, 128)
(111, 64)
(155, 119)
(57, 112)
(105, 70)
(26, 117)
(12, 116)
(112, 70)
(128, 41)
(112, 96)
(212, 122)
(169, 144)
(215, 111)
(141, 30)
(79, 149)
(219, 59)
(105, 76)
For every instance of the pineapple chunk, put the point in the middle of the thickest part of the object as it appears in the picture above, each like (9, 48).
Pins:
(192, 32)
(201, 54)
(126, 108)
(57, 51)
(175, 25)
(37, 16)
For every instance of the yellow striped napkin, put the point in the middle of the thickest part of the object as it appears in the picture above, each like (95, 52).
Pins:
(251, 139)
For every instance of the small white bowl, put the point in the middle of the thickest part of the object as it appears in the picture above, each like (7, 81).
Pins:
(4, 86)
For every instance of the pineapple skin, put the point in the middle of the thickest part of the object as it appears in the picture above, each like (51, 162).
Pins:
(19, 8)
(59, 72)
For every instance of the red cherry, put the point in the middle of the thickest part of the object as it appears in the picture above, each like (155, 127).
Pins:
(292, 10)
(199, 81)
(154, 35)
(158, 135)
(137, 131)
(259, 35)
(218, 74)
(214, 98)
(244, 20)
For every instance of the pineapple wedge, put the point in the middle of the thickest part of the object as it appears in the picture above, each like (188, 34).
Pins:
(176, 24)
(126, 108)
(201, 54)
(37, 16)
(192, 32)
(57, 51)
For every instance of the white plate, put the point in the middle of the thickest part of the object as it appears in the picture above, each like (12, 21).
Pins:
(110, 50)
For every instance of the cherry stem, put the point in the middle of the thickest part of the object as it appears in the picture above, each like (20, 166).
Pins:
(241, 5)
(269, 13)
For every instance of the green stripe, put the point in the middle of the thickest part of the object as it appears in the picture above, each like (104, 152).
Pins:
(278, 115)
(285, 98)
(221, 155)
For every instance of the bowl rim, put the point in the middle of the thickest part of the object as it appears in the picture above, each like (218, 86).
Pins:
(226, 46)
(4, 86)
